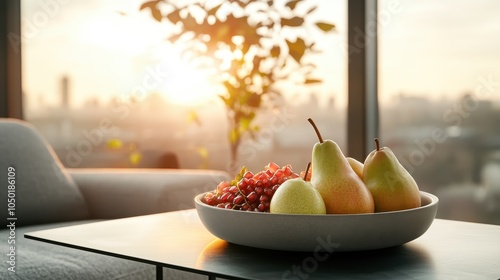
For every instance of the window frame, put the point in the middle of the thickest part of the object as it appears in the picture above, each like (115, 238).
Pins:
(10, 60)
(362, 105)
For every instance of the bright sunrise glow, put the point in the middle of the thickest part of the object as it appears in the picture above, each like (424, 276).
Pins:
(185, 84)
(110, 55)
(104, 47)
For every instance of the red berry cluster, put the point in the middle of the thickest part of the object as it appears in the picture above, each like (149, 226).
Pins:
(248, 191)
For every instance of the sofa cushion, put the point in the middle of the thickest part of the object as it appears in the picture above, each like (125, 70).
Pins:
(117, 193)
(44, 192)
(40, 260)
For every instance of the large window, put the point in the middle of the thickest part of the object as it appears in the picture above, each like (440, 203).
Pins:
(106, 89)
(440, 102)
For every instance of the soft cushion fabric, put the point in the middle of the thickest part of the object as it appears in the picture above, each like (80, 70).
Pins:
(44, 192)
(117, 193)
(40, 260)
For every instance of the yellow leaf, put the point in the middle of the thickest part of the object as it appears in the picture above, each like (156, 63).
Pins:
(115, 143)
(203, 152)
(233, 136)
(192, 117)
(243, 170)
(244, 124)
(135, 158)
(325, 26)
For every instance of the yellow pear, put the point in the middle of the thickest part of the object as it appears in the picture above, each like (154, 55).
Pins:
(392, 187)
(356, 166)
(342, 190)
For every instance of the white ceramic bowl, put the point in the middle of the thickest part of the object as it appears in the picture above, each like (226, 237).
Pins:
(293, 232)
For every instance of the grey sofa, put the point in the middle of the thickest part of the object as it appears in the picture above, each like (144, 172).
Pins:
(43, 195)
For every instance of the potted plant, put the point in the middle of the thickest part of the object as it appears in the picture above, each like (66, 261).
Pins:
(264, 45)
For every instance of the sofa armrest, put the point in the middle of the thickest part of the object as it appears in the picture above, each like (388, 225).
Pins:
(118, 193)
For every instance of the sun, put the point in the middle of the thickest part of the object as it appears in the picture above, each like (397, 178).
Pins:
(185, 84)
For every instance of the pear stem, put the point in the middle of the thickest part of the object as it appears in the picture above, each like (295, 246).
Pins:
(316, 129)
(377, 144)
(307, 170)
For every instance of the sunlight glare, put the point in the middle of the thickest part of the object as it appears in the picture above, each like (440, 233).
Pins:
(185, 84)
(226, 55)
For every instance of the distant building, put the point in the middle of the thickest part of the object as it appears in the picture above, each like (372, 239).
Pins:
(65, 95)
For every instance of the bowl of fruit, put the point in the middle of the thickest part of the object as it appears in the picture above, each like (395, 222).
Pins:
(336, 204)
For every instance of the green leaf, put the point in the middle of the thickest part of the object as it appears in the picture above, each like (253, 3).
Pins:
(243, 170)
(325, 26)
(292, 4)
(294, 22)
(239, 176)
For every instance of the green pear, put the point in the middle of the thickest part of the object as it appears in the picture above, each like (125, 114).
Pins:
(297, 196)
(342, 190)
(392, 187)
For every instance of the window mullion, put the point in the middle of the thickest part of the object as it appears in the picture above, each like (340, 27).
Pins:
(362, 120)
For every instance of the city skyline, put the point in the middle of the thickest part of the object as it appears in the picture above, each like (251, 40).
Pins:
(107, 48)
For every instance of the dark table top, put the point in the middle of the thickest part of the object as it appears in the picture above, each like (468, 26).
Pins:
(448, 250)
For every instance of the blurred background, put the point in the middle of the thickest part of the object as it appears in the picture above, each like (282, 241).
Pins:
(105, 87)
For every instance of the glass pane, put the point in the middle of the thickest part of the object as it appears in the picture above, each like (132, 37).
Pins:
(440, 101)
(105, 87)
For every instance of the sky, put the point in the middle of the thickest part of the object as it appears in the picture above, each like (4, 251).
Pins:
(433, 49)
(439, 48)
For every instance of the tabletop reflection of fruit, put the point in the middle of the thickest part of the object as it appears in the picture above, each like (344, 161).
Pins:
(346, 186)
